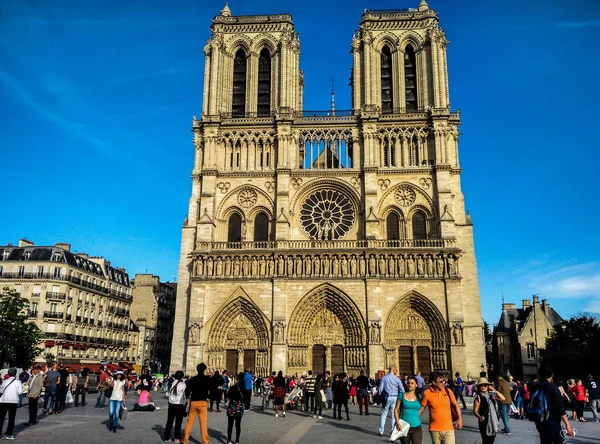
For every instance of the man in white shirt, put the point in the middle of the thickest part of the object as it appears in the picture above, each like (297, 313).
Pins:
(11, 389)
(389, 387)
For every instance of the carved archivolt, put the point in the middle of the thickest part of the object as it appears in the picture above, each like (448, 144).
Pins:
(326, 316)
(406, 265)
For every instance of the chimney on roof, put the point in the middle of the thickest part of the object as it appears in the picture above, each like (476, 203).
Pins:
(508, 306)
(536, 300)
(545, 304)
(25, 243)
(83, 255)
(63, 245)
(526, 303)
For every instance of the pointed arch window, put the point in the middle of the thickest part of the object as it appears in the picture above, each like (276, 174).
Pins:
(386, 80)
(234, 229)
(419, 226)
(410, 78)
(261, 228)
(264, 83)
(392, 224)
(239, 84)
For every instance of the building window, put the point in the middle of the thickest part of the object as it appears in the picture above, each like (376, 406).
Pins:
(234, 232)
(419, 227)
(547, 332)
(500, 340)
(261, 228)
(264, 83)
(21, 271)
(57, 271)
(386, 80)
(531, 332)
(239, 84)
(393, 226)
(531, 352)
(410, 79)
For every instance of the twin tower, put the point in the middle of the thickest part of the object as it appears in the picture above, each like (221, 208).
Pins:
(334, 240)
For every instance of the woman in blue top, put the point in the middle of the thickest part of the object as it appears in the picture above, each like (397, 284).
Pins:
(407, 408)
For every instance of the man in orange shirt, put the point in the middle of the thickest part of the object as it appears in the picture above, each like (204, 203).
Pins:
(438, 398)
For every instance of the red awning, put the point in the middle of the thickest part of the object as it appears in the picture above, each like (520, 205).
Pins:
(93, 368)
(126, 366)
(66, 346)
(113, 367)
(76, 346)
(49, 343)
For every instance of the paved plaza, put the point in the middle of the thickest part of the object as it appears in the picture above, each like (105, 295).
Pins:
(88, 425)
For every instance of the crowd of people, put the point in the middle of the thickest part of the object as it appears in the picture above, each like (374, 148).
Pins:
(401, 398)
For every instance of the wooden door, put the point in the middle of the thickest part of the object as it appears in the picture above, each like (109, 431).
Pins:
(337, 359)
(406, 365)
(424, 359)
(318, 359)
(231, 361)
(250, 360)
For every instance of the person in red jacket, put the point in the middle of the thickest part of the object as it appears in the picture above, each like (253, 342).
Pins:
(578, 391)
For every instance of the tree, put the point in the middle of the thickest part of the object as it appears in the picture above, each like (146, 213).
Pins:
(50, 358)
(572, 348)
(488, 336)
(20, 338)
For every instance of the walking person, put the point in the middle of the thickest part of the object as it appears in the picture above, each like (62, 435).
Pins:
(592, 391)
(320, 397)
(362, 390)
(329, 389)
(225, 384)
(235, 409)
(420, 383)
(485, 409)
(279, 393)
(578, 391)
(36, 383)
(459, 388)
(61, 389)
(103, 384)
(550, 430)
(82, 379)
(23, 378)
(309, 384)
(197, 390)
(117, 398)
(11, 391)
(503, 406)
(408, 406)
(216, 384)
(439, 400)
(341, 394)
(51, 381)
(248, 388)
(389, 387)
(176, 394)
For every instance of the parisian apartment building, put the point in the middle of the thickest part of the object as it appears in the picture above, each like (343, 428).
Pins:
(153, 312)
(81, 303)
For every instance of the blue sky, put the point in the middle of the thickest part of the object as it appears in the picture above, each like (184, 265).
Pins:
(96, 100)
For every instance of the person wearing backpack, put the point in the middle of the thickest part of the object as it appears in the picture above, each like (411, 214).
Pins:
(547, 409)
(176, 410)
(485, 409)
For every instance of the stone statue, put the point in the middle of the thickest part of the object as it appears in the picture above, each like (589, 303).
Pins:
(194, 334)
(420, 266)
(199, 266)
(298, 265)
(209, 266)
(227, 266)
(440, 266)
(401, 267)
(326, 265)
(451, 266)
(279, 333)
(307, 265)
(262, 266)
(457, 333)
(290, 265)
(219, 266)
(344, 266)
(362, 266)
(410, 266)
(271, 265)
(372, 266)
(382, 266)
(316, 266)
(429, 266)
(353, 265)
(335, 265)
(236, 266)
(245, 266)
(254, 266)
(280, 266)
(375, 333)
(391, 265)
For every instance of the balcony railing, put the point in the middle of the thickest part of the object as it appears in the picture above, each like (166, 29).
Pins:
(52, 295)
(53, 315)
(68, 316)
(32, 313)
(329, 244)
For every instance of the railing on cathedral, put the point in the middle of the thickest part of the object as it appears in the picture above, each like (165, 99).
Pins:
(329, 244)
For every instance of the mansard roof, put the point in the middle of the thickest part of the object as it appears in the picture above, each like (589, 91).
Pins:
(514, 319)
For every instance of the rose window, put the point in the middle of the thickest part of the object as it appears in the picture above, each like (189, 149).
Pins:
(405, 196)
(327, 215)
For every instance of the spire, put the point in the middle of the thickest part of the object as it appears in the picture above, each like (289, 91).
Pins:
(423, 6)
(226, 12)
(332, 96)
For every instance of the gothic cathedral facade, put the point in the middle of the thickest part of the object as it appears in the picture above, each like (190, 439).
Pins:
(327, 241)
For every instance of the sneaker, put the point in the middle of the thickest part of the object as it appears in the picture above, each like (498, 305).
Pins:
(177, 441)
(283, 413)
(10, 436)
(166, 440)
(320, 417)
(276, 415)
(315, 416)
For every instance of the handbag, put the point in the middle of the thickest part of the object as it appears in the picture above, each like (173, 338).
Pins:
(453, 409)
(236, 408)
(123, 413)
(108, 392)
(402, 432)
(69, 397)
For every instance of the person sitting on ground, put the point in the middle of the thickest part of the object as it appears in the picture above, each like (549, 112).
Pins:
(145, 402)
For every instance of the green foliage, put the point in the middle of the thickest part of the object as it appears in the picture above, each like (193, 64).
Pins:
(572, 348)
(488, 336)
(19, 338)
(50, 358)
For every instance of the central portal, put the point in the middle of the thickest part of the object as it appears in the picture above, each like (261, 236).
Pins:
(337, 359)
(319, 357)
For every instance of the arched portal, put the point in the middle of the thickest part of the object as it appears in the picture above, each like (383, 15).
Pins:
(326, 332)
(239, 339)
(415, 336)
